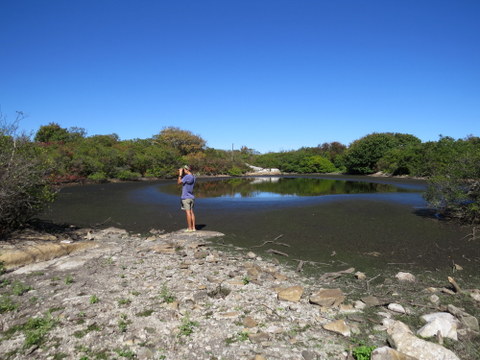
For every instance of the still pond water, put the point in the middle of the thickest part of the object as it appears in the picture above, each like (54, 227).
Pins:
(363, 222)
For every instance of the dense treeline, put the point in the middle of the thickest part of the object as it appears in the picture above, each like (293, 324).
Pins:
(28, 167)
(102, 157)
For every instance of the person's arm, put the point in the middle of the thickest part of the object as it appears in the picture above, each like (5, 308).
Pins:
(179, 178)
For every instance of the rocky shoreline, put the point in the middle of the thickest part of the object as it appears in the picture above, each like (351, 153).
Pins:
(185, 296)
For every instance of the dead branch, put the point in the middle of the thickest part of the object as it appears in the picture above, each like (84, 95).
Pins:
(273, 251)
(300, 266)
(337, 274)
(370, 280)
(456, 287)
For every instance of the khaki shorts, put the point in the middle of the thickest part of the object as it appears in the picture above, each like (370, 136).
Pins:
(187, 204)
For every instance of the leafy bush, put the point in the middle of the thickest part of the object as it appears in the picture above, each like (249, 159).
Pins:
(127, 175)
(363, 155)
(235, 171)
(316, 164)
(363, 352)
(99, 177)
(24, 188)
(454, 188)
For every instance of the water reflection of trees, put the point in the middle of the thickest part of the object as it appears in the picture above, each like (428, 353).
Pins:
(251, 187)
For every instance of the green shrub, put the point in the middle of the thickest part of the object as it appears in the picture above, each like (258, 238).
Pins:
(363, 352)
(127, 175)
(235, 171)
(99, 177)
(6, 304)
(363, 154)
(35, 330)
(24, 187)
(454, 188)
(316, 164)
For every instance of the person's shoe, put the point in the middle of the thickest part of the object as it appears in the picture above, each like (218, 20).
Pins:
(187, 230)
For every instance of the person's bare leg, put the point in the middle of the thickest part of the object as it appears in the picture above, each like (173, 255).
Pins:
(192, 220)
(189, 219)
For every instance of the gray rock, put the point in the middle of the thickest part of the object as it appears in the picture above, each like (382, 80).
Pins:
(328, 297)
(397, 308)
(386, 353)
(309, 355)
(370, 301)
(402, 338)
(339, 327)
(292, 293)
(405, 277)
(444, 323)
(466, 319)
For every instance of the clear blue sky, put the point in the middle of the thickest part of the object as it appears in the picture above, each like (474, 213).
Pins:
(269, 74)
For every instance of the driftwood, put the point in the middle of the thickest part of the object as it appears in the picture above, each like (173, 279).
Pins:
(472, 236)
(300, 266)
(334, 275)
(273, 251)
(369, 280)
(270, 242)
(102, 223)
(274, 241)
(456, 287)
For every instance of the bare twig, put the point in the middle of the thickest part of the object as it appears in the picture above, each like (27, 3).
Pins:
(370, 280)
(334, 275)
(456, 287)
(273, 251)
(300, 266)
(313, 262)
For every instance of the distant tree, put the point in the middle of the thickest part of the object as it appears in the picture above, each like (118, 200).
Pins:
(363, 155)
(55, 133)
(332, 150)
(184, 141)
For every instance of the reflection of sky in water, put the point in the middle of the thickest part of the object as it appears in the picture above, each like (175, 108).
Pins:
(258, 194)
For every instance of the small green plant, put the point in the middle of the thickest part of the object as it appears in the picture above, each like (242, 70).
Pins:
(2, 268)
(81, 333)
(69, 280)
(60, 356)
(124, 301)
(166, 295)
(126, 353)
(19, 288)
(363, 352)
(123, 322)
(35, 330)
(187, 326)
(145, 313)
(6, 304)
(94, 299)
(135, 293)
(246, 280)
(241, 336)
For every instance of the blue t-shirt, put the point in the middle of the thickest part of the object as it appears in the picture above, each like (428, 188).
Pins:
(188, 182)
